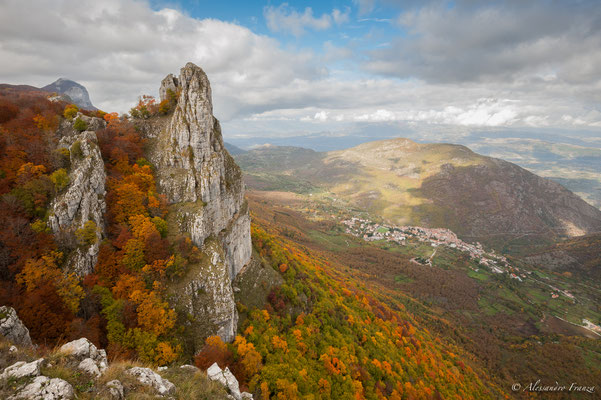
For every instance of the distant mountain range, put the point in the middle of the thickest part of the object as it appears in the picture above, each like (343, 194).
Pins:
(436, 185)
(76, 92)
(233, 150)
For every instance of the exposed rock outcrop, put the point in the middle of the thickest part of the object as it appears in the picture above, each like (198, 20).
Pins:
(44, 388)
(76, 92)
(148, 377)
(91, 359)
(206, 296)
(113, 390)
(12, 328)
(168, 84)
(228, 380)
(83, 199)
(29, 375)
(205, 189)
(22, 369)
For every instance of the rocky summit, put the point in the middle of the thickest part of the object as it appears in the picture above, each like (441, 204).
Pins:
(77, 93)
(204, 187)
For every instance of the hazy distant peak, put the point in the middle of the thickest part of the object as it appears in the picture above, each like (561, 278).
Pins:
(76, 92)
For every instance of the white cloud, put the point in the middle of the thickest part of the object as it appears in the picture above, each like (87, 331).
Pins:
(321, 116)
(502, 41)
(287, 20)
(341, 17)
(377, 116)
(120, 49)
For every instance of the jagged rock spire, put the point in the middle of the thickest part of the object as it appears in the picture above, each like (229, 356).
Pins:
(205, 189)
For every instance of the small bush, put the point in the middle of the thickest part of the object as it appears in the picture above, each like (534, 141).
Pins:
(164, 107)
(76, 150)
(142, 162)
(60, 178)
(161, 225)
(80, 125)
(86, 236)
(70, 111)
(61, 158)
(39, 226)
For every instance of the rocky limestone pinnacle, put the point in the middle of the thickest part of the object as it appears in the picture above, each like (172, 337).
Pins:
(204, 186)
(83, 199)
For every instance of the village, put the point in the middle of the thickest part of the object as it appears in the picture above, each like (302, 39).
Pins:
(371, 231)
(435, 237)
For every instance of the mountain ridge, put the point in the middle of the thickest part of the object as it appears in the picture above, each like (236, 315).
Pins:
(415, 183)
(75, 91)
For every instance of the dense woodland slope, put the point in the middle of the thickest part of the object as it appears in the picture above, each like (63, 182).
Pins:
(303, 330)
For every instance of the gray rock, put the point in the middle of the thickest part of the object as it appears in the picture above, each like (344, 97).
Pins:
(87, 353)
(113, 390)
(227, 379)
(83, 200)
(215, 373)
(94, 123)
(44, 388)
(90, 367)
(12, 328)
(232, 383)
(76, 92)
(194, 167)
(168, 83)
(204, 184)
(206, 293)
(148, 377)
(190, 368)
(23, 369)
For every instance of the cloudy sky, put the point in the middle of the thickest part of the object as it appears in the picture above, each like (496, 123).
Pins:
(331, 67)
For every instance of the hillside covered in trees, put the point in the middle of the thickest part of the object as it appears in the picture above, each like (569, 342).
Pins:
(104, 237)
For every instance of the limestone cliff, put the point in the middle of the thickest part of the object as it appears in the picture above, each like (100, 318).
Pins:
(204, 186)
(83, 199)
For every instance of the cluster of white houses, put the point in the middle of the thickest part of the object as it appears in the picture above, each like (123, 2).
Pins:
(372, 231)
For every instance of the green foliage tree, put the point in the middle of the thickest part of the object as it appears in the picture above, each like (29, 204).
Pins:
(80, 125)
(70, 111)
(88, 235)
(76, 150)
(60, 178)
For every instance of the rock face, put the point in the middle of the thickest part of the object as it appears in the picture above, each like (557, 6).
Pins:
(205, 189)
(76, 92)
(83, 199)
(168, 84)
(12, 328)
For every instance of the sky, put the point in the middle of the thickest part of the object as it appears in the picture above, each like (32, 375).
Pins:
(332, 68)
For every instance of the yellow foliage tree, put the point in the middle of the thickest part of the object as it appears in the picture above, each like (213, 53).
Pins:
(154, 315)
(165, 354)
(46, 269)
